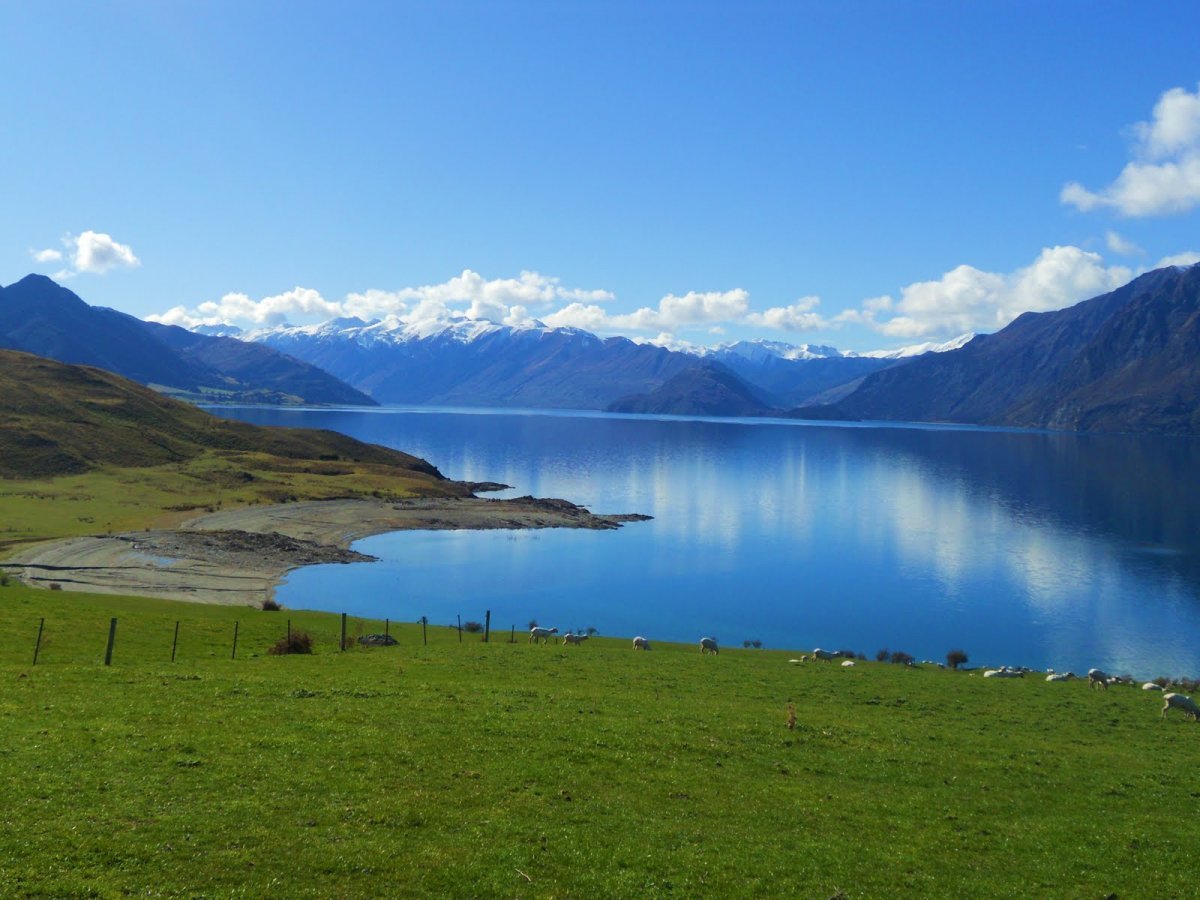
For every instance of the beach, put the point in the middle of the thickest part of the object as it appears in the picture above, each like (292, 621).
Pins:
(238, 556)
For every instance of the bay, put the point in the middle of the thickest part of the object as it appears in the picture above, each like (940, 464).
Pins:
(1022, 548)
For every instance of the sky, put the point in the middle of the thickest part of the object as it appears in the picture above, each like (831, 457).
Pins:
(866, 175)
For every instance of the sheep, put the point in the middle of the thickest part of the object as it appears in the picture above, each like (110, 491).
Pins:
(826, 655)
(709, 645)
(847, 662)
(1151, 686)
(1060, 676)
(1003, 673)
(542, 634)
(1097, 678)
(575, 639)
(1183, 703)
(640, 643)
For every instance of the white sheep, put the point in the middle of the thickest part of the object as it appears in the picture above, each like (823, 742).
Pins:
(1003, 673)
(640, 643)
(1183, 703)
(542, 634)
(847, 662)
(575, 639)
(709, 645)
(1097, 678)
(1151, 686)
(826, 655)
(1060, 676)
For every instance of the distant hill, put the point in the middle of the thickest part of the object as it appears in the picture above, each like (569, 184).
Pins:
(62, 419)
(707, 389)
(40, 316)
(1128, 360)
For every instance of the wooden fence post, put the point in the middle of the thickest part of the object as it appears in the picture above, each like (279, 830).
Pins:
(487, 625)
(460, 628)
(112, 636)
(235, 631)
(38, 646)
(424, 636)
(387, 628)
(512, 637)
(175, 641)
(343, 631)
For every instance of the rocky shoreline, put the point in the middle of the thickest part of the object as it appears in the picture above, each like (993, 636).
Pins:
(238, 556)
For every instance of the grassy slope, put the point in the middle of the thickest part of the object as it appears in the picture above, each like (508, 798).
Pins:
(595, 770)
(83, 451)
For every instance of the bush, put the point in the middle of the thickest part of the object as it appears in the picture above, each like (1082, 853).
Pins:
(296, 642)
(271, 605)
(55, 586)
(882, 655)
(901, 658)
(473, 627)
(956, 658)
(3, 578)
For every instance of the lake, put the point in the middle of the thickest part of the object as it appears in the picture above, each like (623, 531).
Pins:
(1022, 548)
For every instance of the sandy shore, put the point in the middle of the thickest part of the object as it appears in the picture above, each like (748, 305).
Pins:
(238, 556)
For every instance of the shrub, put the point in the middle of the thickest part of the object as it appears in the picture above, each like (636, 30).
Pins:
(473, 627)
(3, 578)
(55, 586)
(592, 630)
(296, 642)
(882, 655)
(271, 605)
(901, 658)
(956, 658)
(1162, 681)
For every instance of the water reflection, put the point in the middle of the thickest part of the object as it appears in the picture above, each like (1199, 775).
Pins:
(1043, 549)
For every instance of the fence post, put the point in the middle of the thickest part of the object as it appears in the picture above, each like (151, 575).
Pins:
(487, 625)
(387, 628)
(343, 631)
(424, 636)
(235, 630)
(175, 641)
(38, 646)
(112, 636)
(289, 632)
(512, 637)
(460, 628)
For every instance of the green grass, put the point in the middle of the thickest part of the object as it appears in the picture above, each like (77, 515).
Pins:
(596, 771)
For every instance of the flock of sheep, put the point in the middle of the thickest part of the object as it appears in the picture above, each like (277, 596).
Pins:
(538, 635)
(1096, 678)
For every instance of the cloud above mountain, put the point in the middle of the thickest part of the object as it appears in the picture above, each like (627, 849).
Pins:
(1163, 178)
(92, 251)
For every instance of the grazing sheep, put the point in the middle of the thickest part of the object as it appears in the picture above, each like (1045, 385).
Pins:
(640, 643)
(709, 645)
(1060, 676)
(847, 662)
(575, 639)
(542, 634)
(1151, 686)
(1097, 678)
(826, 655)
(1183, 703)
(1003, 673)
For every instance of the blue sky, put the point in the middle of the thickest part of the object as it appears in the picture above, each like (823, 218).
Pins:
(862, 174)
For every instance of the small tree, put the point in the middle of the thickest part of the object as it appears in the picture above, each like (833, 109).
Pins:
(901, 658)
(882, 655)
(956, 658)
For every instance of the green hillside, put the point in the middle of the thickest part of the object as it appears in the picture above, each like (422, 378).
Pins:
(82, 450)
(511, 770)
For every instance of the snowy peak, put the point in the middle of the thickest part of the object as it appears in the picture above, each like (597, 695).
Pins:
(919, 349)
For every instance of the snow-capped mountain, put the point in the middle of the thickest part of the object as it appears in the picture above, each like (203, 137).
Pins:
(476, 362)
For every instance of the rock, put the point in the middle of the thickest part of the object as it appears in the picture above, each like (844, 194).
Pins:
(377, 640)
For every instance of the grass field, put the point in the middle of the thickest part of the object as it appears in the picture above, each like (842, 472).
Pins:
(500, 769)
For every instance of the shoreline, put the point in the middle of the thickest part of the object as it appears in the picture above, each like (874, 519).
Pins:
(239, 556)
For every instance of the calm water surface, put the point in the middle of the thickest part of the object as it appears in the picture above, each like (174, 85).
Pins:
(1022, 548)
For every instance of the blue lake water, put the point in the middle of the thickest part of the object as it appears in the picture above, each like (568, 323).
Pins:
(1026, 548)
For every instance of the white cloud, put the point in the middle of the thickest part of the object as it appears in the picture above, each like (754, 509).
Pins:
(1119, 245)
(1187, 258)
(1164, 176)
(797, 317)
(969, 299)
(45, 256)
(98, 253)
(672, 312)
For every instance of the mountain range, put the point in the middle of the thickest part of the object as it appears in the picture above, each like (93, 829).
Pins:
(39, 316)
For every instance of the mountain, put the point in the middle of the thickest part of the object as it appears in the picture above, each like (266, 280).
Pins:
(469, 362)
(64, 419)
(40, 316)
(707, 389)
(473, 362)
(1128, 360)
